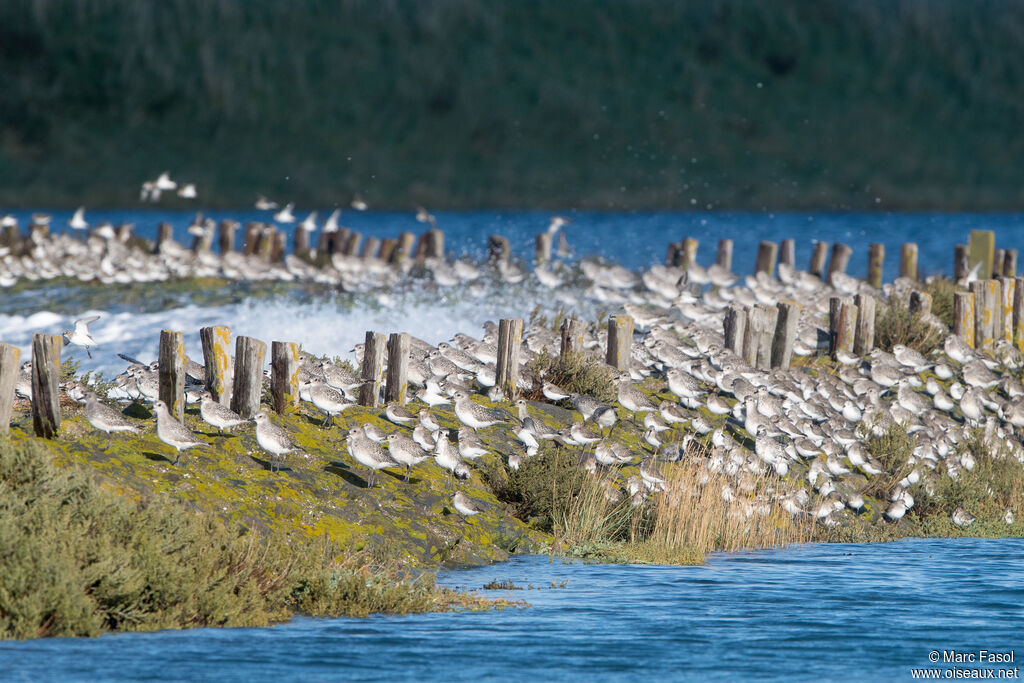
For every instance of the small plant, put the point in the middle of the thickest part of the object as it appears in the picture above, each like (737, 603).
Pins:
(893, 450)
(69, 370)
(941, 290)
(895, 324)
(577, 373)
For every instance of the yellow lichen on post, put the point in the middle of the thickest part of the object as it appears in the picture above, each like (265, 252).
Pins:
(963, 316)
(216, 343)
(1006, 319)
(284, 376)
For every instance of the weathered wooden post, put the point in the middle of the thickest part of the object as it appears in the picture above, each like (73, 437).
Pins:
(46, 384)
(265, 242)
(787, 252)
(980, 247)
(510, 335)
(673, 255)
(572, 335)
(908, 260)
(172, 372)
(760, 324)
(370, 248)
(986, 311)
(10, 363)
(769, 318)
(876, 257)
(785, 334)
(920, 302)
(355, 240)
(841, 327)
(960, 261)
(164, 236)
(963, 316)
(1018, 311)
(250, 357)
(864, 334)
(765, 263)
(251, 238)
(216, 343)
(373, 369)
(406, 244)
(620, 342)
(998, 255)
(735, 324)
(226, 236)
(434, 244)
(840, 259)
(818, 255)
(1010, 263)
(300, 245)
(399, 346)
(387, 249)
(724, 256)
(497, 249)
(284, 375)
(278, 247)
(1007, 294)
(689, 254)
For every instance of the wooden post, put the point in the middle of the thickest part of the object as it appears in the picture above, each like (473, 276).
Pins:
(1010, 263)
(497, 249)
(960, 261)
(1009, 291)
(46, 384)
(920, 302)
(724, 256)
(399, 346)
(837, 324)
(226, 236)
(998, 255)
(284, 375)
(373, 369)
(355, 240)
(751, 335)
(251, 239)
(216, 343)
(387, 249)
(510, 334)
(980, 247)
(690, 245)
(172, 372)
(278, 247)
(818, 256)
(404, 251)
(300, 246)
(10, 363)
(840, 258)
(542, 250)
(370, 248)
(876, 257)
(250, 357)
(785, 334)
(908, 260)
(864, 334)
(572, 335)
(434, 244)
(673, 257)
(787, 254)
(735, 325)
(963, 316)
(847, 333)
(987, 309)
(164, 236)
(769, 318)
(620, 342)
(765, 263)
(1018, 311)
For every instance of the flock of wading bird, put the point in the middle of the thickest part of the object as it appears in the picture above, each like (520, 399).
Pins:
(808, 427)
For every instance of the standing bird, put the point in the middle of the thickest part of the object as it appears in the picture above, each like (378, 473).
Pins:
(466, 506)
(424, 216)
(264, 204)
(473, 414)
(368, 453)
(273, 439)
(217, 415)
(78, 221)
(80, 335)
(172, 432)
(406, 452)
(105, 418)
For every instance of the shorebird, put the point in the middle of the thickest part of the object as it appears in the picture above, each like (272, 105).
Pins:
(473, 414)
(357, 203)
(164, 183)
(217, 415)
(374, 433)
(398, 414)
(552, 392)
(80, 335)
(188, 191)
(465, 506)
(406, 452)
(470, 445)
(632, 399)
(105, 418)
(264, 204)
(285, 215)
(424, 216)
(585, 405)
(77, 221)
(329, 401)
(368, 453)
(424, 437)
(172, 432)
(273, 439)
(428, 420)
(962, 518)
(331, 224)
(309, 222)
(447, 456)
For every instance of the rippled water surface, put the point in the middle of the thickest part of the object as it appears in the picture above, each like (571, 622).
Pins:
(817, 612)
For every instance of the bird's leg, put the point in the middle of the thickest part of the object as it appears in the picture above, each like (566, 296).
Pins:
(177, 457)
(408, 471)
(88, 352)
(326, 417)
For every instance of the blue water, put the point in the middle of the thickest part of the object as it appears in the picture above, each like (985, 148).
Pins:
(640, 239)
(816, 612)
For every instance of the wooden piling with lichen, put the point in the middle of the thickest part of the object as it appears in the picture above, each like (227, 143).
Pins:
(284, 376)
(765, 263)
(819, 253)
(785, 334)
(216, 343)
(397, 385)
(510, 336)
(724, 255)
(876, 259)
(620, 342)
(10, 368)
(908, 260)
(250, 357)
(963, 317)
(734, 326)
(171, 364)
(374, 350)
(46, 384)
(864, 333)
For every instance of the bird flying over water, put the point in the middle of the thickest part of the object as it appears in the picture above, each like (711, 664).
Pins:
(78, 221)
(80, 335)
(187, 191)
(285, 215)
(424, 216)
(264, 204)
(358, 204)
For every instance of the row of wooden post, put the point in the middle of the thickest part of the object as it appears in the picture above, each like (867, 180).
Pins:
(851, 325)
(992, 311)
(762, 335)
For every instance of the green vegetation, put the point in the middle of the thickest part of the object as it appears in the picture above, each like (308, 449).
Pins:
(895, 324)
(892, 450)
(79, 560)
(581, 372)
(941, 290)
(467, 103)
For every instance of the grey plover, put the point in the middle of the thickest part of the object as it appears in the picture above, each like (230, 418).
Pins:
(80, 335)
(424, 437)
(466, 506)
(217, 415)
(447, 456)
(105, 418)
(632, 399)
(962, 518)
(398, 414)
(368, 453)
(552, 392)
(428, 420)
(585, 405)
(406, 452)
(470, 445)
(374, 433)
(328, 400)
(274, 440)
(172, 432)
(473, 414)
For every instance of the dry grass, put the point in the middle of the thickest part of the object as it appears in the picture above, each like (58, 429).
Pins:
(895, 324)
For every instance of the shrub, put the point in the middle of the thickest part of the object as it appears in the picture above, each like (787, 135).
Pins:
(941, 290)
(895, 324)
(577, 373)
(892, 450)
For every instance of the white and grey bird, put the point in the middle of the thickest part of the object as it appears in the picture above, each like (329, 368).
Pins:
(328, 400)
(398, 414)
(80, 335)
(172, 432)
(217, 415)
(473, 414)
(368, 453)
(406, 452)
(446, 455)
(962, 518)
(466, 506)
(470, 445)
(553, 392)
(105, 418)
(274, 439)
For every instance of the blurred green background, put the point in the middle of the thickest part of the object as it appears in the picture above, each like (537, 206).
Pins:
(747, 104)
